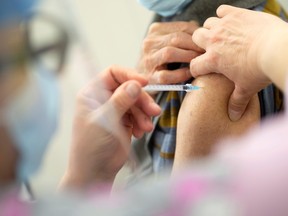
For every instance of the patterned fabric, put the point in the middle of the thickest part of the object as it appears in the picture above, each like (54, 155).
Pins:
(163, 140)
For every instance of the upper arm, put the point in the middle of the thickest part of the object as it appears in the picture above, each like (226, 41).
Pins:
(203, 117)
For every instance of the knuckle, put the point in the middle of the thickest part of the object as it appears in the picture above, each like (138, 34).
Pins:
(146, 61)
(154, 27)
(193, 69)
(166, 54)
(147, 45)
(215, 36)
(175, 39)
(207, 22)
(213, 58)
(162, 78)
(148, 65)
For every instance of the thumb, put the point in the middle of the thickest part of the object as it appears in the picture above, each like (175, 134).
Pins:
(200, 66)
(224, 10)
(125, 97)
(238, 103)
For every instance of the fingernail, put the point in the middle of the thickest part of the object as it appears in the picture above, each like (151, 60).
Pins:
(133, 90)
(234, 115)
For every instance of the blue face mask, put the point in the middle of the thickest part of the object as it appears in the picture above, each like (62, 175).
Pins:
(165, 7)
(31, 119)
(11, 10)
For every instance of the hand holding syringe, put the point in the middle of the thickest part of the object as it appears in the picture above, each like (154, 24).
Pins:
(186, 87)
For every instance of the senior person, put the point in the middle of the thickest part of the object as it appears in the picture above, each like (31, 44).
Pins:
(191, 123)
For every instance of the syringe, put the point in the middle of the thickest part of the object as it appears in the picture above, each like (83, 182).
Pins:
(186, 87)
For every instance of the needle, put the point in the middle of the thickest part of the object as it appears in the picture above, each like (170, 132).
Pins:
(186, 87)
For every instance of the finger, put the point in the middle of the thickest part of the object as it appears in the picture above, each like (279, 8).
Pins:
(123, 99)
(200, 37)
(148, 105)
(137, 132)
(114, 76)
(224, 10)
(141, 120)
(182, 40)
(211, 22)
(127, 120)
(201, 66)
(170, 27)
(237, 103)
(171, 55)
(171, 77)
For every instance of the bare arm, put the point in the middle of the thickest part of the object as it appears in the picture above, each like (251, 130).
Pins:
(203, 118)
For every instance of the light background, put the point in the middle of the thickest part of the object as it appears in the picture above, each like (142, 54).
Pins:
(111, 32)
